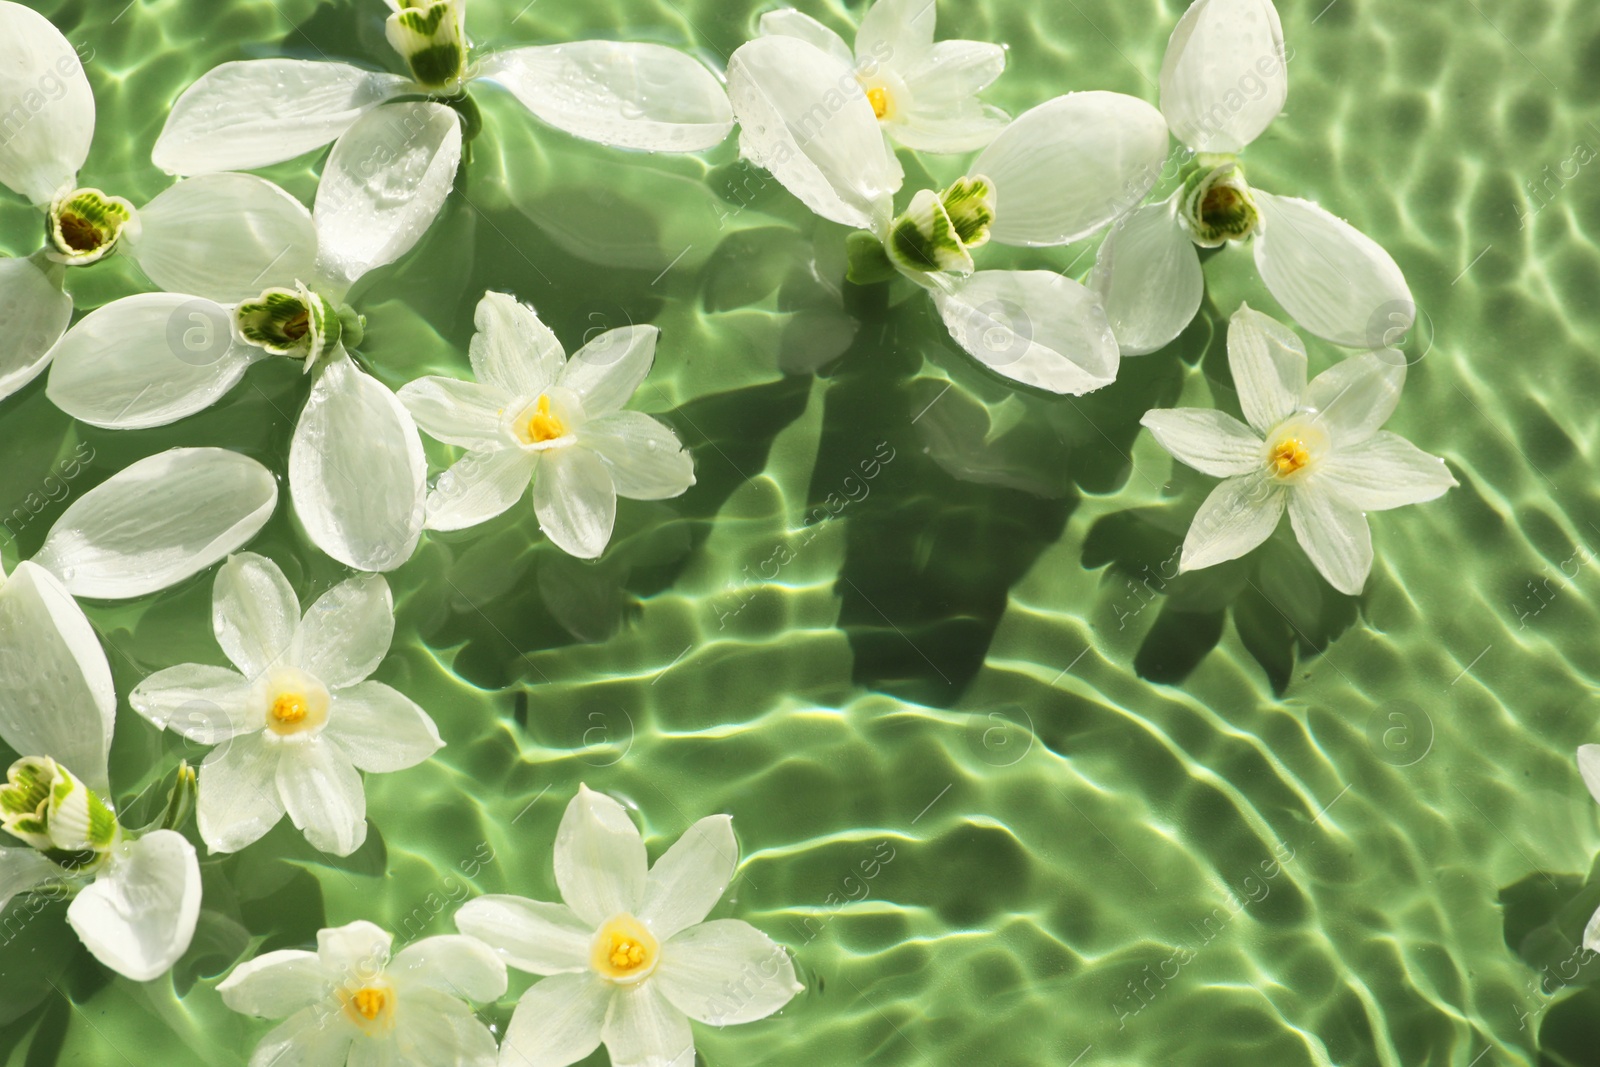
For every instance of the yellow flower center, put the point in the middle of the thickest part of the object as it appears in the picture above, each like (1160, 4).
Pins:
(369, 1001)
(878, 97)
(541, 425)
(624, 950)
(290, 708)
(292, 702)
(370, 1007)
(1290, 455)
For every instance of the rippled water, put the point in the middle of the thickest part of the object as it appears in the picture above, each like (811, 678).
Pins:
(1012, 794)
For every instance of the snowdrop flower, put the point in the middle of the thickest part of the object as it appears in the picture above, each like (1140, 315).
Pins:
(1223, 82)
(630, 956)
(535, 416)
(351, 1002)
(356, 466)
(187, 239)
(298, 719)
(1314, 450)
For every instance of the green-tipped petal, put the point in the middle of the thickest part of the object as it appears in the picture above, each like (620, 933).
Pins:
(432, 39)
(970, 205)
(924, 239)
(290, 322)
(79, 820)
(83, 225)
(25, 800)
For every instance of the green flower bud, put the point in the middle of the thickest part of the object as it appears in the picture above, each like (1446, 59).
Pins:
(83, 225)
(431, 36)
(45, 805)
(1216, 205)
(938, 230)
(290, 322)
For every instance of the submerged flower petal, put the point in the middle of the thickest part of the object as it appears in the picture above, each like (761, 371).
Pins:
(690, 877)
(726, 972)
(478, 487)
(1148, 275)
(1224, 78)
(346, 633)
(1334, 534)
(607, 371)
(599, 858)
(322, 793)
(238, 801)
(277, 984)
(1385, 471)
(1269, 367)
(254, 612)
(643, 1029)
(1236, 518)
(644, 456)
(49, 106)
(382, 730)
(575, 500)
(557, 1022)
(36, 312)
(1209, 441)
(139, 915)
(531, 935)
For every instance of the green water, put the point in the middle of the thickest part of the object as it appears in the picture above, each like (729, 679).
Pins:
(1011, 795)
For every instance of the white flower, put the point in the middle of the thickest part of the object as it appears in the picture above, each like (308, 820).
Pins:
(298, 719)
(350, 1002)
(630, 958)
(1589, 768)
(535, 416)
(1314, 450)
(1224, 80)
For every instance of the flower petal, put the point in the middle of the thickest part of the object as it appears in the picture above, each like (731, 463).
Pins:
(1148, 275)
(606, 372)
(479, 486)
(147, 360)
(207, 705)
(1034, 327)
(357, 471)
(530, 935)
(323, 795)
(575, 500)
(690, 877)
(249, 114)
(49, 106)
(726, 972)
(557, 1022)
(36, 313)
(383, 186)
(1237, 517)
(1355, 397)
(803, 117)
(1334, 534)
(896, 31)
(1385, 471)
(1211, 442)
(622, 93)
(1269, 367)
(787, 22)
(155, 523)
(600, 858)
(346, 633)
(461, 966)
(1589, 768)
(436, 1028)
(238, 800)
(311, 1037)
(24, 869)
(380, 729)
(56, 696)
(945, 134)
(254, 612)
(642, 1029)
(943, 113)
(1224, 77)
(646, 459)
(277, 984)
(513, 350)
(1071, 166)
(459, 413)
(1331, 278)
(225, 237)
(355, 950)
(138, 916)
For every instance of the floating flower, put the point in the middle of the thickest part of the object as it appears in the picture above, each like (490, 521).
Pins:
(630, 958)
(298, 719)
(536, 417)
(1224, 80)
(1314, 450)
(351, 1002)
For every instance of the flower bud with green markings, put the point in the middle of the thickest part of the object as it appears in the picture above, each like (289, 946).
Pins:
(292, 322)
(46, 806)
(83, 225)
(939, 230)
(431, 36)
(1216, 204)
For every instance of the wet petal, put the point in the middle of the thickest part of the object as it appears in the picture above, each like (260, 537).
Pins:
(460, 966)
(323, 795)
(599, 858)
(952, 72)
(479, 486)
(254, 612)
(436, 1028)
(1210, 441)
(898, 32)
(690, 877)
(557, 1022)
(787, 22)
(1237, 517)
(205, 704)
(277, 984)
(1269, 367)
(1354, 398)
(1224, 78)
(531, 935)
(726, 972)
(513, 350)
(606, 372)
(643, 1029)
(36, 313)
(1385, 471)
(459, 413)
(138, 916)
(48, 105)
(359, 949)
(380, 729)
(238, 800)
(1334, 534)
(311, 1037)
(1148, 275)
(646, 459)
(346, 633)
(575, 500)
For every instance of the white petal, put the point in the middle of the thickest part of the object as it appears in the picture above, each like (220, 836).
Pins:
(459, 413)
(435, 1028)
(1355, 397)
(205, 704)
(355, 949)
(244, 115)
(56, 697)
(147, 360)
(513, 350)
(1589, 768)
(346, 633)
(600, 859)
(22, 869)
(1034, 327)
(48, 106)
(897, 32)
(642, 1029)
(557, 1022)
(357, 471)
(530, 935)
(726, 972)
(479, 486)
(322, 793)
(238, 800)
(575, 500)
(804, 118)
(1591, 932)
(1211, 442)
(277, 984)
(381, 730)
(952, 72)
(36, 313)
(155, 523)
(463, 967)
(1224, 78)
(606, 372)
(1269, 367)
(627, 94)
(138, 916)
(1331, 278)
(1238, 516)
(690, 877)
(1148, 275)
(254, 612)
(1385, 471)
(646, 459)
(947, 134)
(225, 237)
(383, 186)
(787, 22)
(311, 1037)
(1072, 165)
(1334, 534)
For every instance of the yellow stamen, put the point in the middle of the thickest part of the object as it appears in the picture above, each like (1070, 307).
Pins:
(626, 954)
(290, 708)
(879, 99)
(624, 950)
(1290, 456)
(543, 426)
(370, 1001)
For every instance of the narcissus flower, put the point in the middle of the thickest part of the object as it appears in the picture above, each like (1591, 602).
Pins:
(630, 958)
(351, 1002)
(298, 719)
(536, 417)
(1313, 450)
